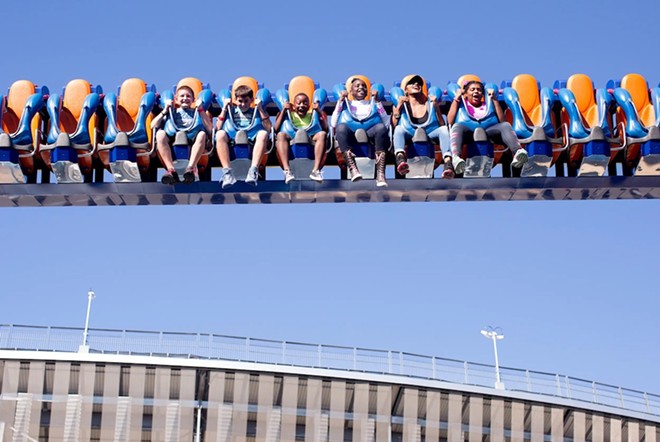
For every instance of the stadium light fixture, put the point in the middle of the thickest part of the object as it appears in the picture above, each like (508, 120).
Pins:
(495, 334)
(84, 348)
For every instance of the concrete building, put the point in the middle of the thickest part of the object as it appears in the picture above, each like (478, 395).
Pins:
(144, 386)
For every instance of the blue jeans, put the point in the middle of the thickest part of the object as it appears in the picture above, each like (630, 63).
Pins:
(439, 135)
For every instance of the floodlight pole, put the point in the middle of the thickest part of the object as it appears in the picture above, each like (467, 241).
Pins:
(492, 334)
(84, 348)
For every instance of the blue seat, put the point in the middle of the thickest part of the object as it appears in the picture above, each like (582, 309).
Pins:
(639, 112)
(72, 134)
(422, 155)
(586, 114)
(529, 109)
(240, 151)
(128, 139)
(301, 148)
(479, 153)
(20, 127)
(185, 136)
(363, 150)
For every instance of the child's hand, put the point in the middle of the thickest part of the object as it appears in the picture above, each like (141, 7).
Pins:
(168, 105)
(198, 105)
(257, 103)
(375, 95)
(226, 102)
(342, 95)
(432, 98)
(287, 106)
(491, 93)
(315, 106)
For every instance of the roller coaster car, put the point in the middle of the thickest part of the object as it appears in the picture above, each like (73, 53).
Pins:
(301, 150)
(241, 140)
(184, 136)
(529, 110)
(363, 150)
(639, 111)
(423, 156)
(128, 138)
(586, 112)
(479, 153)
(20, 128)
(72, 133)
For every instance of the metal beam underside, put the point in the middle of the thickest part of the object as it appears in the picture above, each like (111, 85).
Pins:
(332, 191)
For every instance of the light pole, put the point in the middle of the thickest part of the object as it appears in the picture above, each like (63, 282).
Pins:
(495, 334)
(84, 348)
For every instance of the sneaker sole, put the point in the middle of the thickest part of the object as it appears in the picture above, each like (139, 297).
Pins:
(169, 180)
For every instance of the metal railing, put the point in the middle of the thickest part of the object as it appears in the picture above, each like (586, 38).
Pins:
(212, 346)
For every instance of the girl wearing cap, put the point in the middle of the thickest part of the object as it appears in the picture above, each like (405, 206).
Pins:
(416, 108)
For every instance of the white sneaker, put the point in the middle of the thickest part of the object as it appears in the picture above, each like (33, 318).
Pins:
(459, 164)
(252, 176)
(288, 177)
(519, 158)
(228, 178)
(316, 176)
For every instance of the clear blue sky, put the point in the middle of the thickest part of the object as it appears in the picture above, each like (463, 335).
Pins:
(572, 284)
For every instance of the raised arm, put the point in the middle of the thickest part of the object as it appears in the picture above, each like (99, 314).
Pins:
(281, 116)
(436, 109)
(206, 120)
(496, 105)
(265, 118)
(323, 117)
(341, 102)
(158, 120)
(453, 109)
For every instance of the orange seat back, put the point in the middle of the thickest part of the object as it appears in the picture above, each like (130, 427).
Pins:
(245, 81)
(637, 86)
(18, 94)
(583, 90)
(75, 93)
(528, 92)
(128, 103)
(302, 85)
(465, 78)
(360, 77)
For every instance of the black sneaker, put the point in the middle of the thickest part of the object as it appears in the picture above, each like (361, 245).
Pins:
(189, 176)
(170, 177)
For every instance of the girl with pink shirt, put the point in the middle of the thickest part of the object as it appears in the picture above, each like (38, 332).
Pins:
(469, 110)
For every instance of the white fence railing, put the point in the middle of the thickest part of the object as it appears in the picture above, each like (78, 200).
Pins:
(211, 346)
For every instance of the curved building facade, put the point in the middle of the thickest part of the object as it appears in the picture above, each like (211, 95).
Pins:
(96, 395)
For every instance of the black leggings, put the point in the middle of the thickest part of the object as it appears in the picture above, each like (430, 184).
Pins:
(377, 134)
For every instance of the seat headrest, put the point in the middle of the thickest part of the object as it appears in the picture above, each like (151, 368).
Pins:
(75, 93)
(18, 95)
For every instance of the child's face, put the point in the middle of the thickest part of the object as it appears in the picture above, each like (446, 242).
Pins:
(301, 104)
(475, 93)
(359, 89)
(184, 98)
(244, 102)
